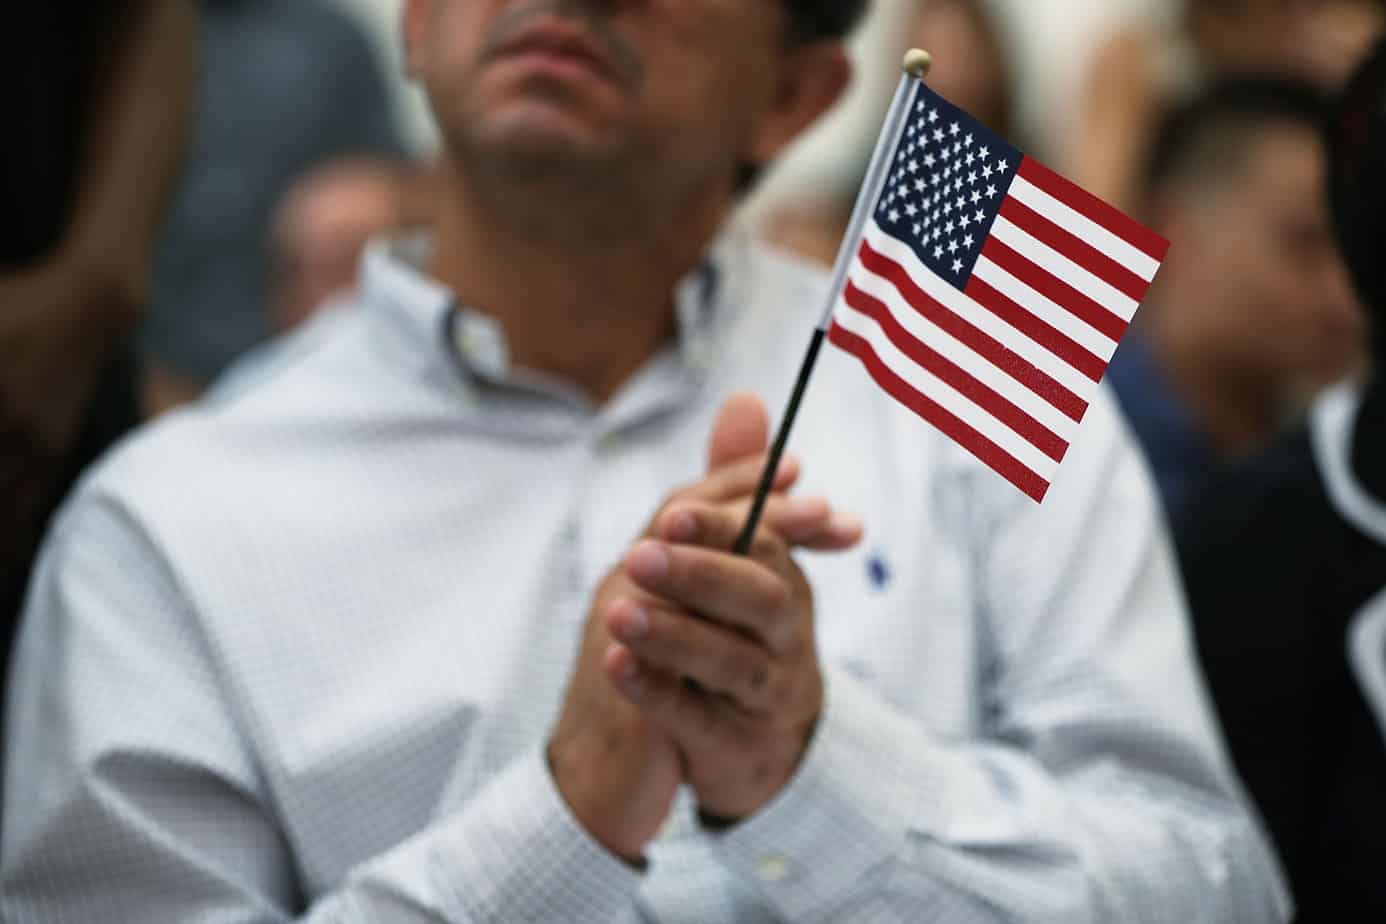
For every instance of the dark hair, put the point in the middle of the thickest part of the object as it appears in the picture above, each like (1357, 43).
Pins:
(1207, 137)
(820, 19)
(1357, 184)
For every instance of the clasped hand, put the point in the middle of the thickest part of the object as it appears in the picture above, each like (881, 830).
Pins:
(711, 656)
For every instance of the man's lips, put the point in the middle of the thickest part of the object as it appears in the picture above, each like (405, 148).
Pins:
(560, 42)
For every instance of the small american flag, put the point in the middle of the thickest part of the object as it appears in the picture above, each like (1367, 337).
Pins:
(985, 292)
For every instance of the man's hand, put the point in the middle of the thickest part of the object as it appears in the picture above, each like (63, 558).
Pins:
(618, 770)
(741, 628)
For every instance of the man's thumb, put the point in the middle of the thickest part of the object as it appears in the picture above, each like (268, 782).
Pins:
(742, 430)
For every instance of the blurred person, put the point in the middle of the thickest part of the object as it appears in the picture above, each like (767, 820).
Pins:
(1253, 304)
(321, 227)
(96, 103)
(970, 70)
(1285, 563)
(1149, 66)
(287, 86)
(371, 642)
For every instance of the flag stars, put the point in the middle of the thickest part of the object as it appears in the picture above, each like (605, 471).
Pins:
(983, 153)
(938, 253)
(972, 178)
(969, 141)
(933, 116)
(980, 217)
(930, 160)
(952, 246)
(948, 228)
(971, 158)
(976, 197)
(913, 166)
(920, 185)
(894, 215)
(954, 129)
(938, 135)
(965, 221)
(957, 266)
(969, 241)
(911, 210)
(991, 192)
(987, 171)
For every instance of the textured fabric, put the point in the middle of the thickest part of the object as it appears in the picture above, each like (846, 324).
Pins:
(294, 655)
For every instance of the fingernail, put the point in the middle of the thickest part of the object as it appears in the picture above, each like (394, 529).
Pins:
(843, 522)
(682, 527)
(649, 561)
(634, 623)
(807, 506)
(788, 462)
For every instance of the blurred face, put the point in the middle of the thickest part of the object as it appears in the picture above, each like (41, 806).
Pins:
(1273, 295)
(664, 92)
(967, 68)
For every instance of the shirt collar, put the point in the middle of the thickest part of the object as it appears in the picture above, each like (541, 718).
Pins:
(394, 281)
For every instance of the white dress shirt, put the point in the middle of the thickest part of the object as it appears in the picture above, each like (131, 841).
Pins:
(294, 655)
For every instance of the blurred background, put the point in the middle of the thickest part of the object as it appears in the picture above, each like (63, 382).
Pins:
(197, 178)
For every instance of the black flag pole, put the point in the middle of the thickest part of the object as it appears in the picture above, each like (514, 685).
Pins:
(916, 66)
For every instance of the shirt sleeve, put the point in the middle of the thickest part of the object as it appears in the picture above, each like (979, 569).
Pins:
(132, 795)
(1097, 790)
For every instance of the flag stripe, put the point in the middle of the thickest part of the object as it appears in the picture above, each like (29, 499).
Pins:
(966, 436)
(1085, 203)
(1067, 349)
(1060, 294)
(986, 370)
(1016, 351)
(937, 391)
(1046, 258)
(1075, 248)
(1041, 309)
(1142, 264)
(962, 381)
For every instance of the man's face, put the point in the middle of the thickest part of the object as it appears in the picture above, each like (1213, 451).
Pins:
(1278, 302)
(600, 88)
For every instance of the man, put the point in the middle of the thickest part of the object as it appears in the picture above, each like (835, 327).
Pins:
(96, 99)
(372, 642)
(1253, 304)
(1286, 564)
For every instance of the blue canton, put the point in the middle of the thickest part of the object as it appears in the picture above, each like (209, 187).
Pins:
(946, 185)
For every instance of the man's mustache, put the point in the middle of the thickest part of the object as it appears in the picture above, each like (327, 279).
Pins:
(624, 59)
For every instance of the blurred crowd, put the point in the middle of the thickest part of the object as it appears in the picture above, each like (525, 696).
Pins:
(196, 178)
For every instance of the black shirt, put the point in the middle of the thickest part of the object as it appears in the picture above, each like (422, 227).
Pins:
(1277, 575)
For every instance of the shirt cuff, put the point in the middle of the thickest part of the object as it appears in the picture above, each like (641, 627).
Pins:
(846, 812)
(517, 853)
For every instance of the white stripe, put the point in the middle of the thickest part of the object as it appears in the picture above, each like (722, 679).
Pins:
(1061, 267)
(964, 307)
(938, 391)
(1085, 229)
(961, 355)
(1096, 342)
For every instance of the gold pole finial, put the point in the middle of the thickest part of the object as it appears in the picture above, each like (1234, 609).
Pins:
(917, 63)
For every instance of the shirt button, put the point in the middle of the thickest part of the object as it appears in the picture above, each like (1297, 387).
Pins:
(772, 869)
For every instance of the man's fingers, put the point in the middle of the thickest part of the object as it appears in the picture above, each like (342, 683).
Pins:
(740, 479)
(742, 430)
(805, 522)
(682, 645)
(694, 717)
(738, 592)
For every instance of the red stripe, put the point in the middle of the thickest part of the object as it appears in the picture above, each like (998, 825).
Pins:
(1056, 290)
(1075, 248)
(1085, 203)
(1055, 341)
(1000, 461)
(983, 344)
(961, 381)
